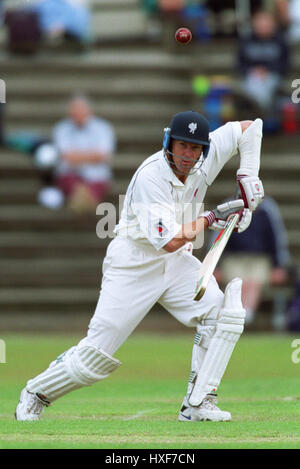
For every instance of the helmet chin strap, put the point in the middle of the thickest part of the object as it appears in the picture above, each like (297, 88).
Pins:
(171, 163)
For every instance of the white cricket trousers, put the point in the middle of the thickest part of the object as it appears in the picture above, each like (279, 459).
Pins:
(135, 277)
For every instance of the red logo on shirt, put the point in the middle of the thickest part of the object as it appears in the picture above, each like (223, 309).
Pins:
(161, 228)
(196, 192)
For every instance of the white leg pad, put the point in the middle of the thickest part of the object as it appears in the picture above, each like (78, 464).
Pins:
(229, 328)
(202, 340)
(77, 367)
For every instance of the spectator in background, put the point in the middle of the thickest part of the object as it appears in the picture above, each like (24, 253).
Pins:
(85, 145)
(69, 19)
(259, 256)
(263, 60)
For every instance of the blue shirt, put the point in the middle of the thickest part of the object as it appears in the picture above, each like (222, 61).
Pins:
(96, 135)
(75, 19)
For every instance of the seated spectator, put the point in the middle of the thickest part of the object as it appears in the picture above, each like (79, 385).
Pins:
(263, 60)
(259, 256)
(70, 19)
(86, 145)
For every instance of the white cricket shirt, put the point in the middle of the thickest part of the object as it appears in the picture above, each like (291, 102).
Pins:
(157, 204)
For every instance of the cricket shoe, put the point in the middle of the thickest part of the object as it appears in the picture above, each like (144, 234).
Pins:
(30, 406)
(206, 411)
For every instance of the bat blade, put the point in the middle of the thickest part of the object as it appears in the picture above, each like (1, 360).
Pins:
(212, 257)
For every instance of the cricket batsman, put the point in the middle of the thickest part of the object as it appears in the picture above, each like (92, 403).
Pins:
(150, 260)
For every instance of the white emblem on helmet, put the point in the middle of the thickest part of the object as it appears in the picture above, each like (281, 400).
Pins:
(192, 127)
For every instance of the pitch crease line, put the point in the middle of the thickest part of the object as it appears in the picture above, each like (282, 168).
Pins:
(138, 415)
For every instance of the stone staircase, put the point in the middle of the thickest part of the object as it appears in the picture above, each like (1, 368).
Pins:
(52, 260)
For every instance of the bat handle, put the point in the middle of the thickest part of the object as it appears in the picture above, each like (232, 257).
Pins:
(232, 216)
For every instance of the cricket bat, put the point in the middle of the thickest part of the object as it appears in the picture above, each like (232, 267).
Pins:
(212, 257)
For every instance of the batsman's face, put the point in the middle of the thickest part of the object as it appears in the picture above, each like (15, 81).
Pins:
(185, 155)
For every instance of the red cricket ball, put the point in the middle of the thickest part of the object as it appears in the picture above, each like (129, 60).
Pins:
(183, 35)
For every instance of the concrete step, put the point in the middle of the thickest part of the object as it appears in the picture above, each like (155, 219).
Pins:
(76, 239)
(18, 187)
(103, 5)
(54, 246)
(93, 4)
(34, 217)
(48, 299)
(26, 250)
(100, 85)
(112, 110)
(220, 56)
(94, 62)
(119, 23)
(76, 265)
(52, 272)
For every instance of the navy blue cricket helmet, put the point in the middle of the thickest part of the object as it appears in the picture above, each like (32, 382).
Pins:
(188, 126)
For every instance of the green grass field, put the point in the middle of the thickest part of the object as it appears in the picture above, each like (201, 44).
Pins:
(137, 406)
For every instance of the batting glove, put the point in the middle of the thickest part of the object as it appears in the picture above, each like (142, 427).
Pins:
(217, 218)
(244, 221)
(250, 189)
